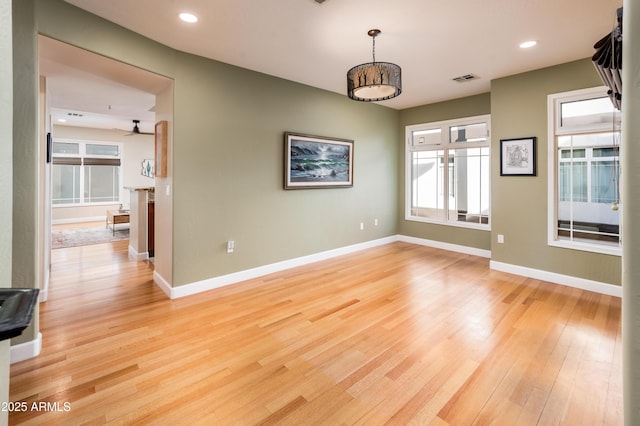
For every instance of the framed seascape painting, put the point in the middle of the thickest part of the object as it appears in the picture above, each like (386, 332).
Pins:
(518, 157)
(317, 162)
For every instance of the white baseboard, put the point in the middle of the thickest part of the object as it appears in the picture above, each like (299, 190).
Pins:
(163, 284)
(446, 246)
(134, 255)
(566, 280)
(224, 280)
(26, 350)
(102, 218)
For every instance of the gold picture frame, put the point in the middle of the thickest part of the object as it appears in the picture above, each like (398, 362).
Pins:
(161, 148)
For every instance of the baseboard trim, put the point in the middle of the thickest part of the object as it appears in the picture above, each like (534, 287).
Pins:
(224, 280)
(26, 350)
(79, 220)
(135, 255)
(446, 246)
(163, 284)
(236, 277)
(566, 280)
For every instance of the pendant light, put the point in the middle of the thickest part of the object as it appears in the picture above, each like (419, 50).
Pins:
(374, 81)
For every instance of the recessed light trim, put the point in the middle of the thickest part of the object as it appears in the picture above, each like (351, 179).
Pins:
(188, 17)
(527, 44)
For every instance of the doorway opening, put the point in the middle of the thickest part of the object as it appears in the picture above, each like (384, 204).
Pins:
(98, 117)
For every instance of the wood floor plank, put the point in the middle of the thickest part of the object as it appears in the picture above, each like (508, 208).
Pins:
(397, 334)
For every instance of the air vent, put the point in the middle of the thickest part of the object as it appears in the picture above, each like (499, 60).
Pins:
(466, 77)
(75, 114)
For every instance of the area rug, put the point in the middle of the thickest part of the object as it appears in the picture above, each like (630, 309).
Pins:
(86, 236)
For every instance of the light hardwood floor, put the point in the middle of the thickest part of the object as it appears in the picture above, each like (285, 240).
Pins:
(399, 334)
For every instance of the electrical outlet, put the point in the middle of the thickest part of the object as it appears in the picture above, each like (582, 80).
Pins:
(375, 222)
(500, 239)
(231, 245)
(362, 226)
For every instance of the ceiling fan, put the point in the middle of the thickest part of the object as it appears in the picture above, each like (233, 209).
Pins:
(136, 129)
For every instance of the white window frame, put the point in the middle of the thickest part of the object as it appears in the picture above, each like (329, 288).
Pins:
(82, 154)
(446, 145)
(554, 130)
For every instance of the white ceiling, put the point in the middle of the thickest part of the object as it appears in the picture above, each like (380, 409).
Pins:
(89, 90)
(316, 44)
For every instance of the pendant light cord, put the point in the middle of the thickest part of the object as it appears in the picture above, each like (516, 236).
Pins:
(374, 49)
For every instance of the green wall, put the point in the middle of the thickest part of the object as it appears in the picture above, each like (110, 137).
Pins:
(25, 147)
(25, 156)
(228, 170)
(518, 203)
(457, 108)
(228, 150)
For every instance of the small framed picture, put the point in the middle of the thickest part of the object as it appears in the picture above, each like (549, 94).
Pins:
(518, 157)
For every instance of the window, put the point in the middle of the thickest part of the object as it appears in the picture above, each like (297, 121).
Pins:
(448, 172)
(85, 173)
(584, 162)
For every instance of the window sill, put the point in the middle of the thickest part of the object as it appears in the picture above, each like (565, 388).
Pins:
(611, 250)
(67, 206)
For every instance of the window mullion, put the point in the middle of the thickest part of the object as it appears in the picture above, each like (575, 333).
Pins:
(571, 195)
(82, 184)
(590, 161)
(445, 183)
(77, 170)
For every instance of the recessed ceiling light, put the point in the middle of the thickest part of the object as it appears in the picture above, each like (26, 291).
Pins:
(528, 44)
(188, 17)
(61, 120)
